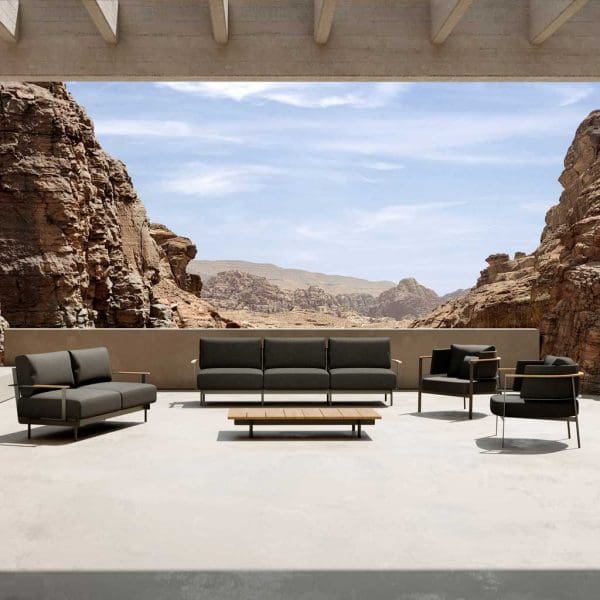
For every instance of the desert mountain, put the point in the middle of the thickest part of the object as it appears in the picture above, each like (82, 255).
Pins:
(76, 247)
(408, 299)
(557, 287)
(291, 279)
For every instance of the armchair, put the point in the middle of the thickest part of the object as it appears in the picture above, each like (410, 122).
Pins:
(461, 370)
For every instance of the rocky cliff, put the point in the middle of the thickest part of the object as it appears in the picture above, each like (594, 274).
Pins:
(76, 248)
(557, 288)
(408, 299)
(3, 326)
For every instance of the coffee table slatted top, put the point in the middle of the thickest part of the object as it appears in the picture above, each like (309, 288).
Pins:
(291, 414)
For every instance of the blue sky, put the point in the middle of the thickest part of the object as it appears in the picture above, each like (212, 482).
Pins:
(375, 180)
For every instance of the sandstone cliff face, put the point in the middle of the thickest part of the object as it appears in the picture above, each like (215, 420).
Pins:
(3, 326)
(408, 299)
(557, 288)
(75, 243)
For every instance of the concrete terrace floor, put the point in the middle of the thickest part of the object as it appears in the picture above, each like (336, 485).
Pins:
(188, 491)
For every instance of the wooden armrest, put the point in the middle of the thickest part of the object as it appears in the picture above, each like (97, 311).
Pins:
(422, 357)
(506, 368)
(396, 361)
(193, 362)
(47, 386)
(536, 376)
(476, 360)
(133, 372)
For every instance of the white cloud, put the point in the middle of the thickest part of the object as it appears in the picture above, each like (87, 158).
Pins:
(300, 95)
(382, 166)
(569, 94)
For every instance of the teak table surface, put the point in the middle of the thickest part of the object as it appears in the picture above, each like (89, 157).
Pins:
(291, 414)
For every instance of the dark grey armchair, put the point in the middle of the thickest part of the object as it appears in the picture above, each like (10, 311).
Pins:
(541, 389)
(461, 370)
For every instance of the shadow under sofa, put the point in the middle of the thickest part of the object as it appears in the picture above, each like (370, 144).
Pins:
(303, 365)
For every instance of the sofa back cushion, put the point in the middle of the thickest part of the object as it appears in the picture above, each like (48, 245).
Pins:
(230, 352)
(458, 352)
(487, 369)
(558, 361)
(90, 365)
(356, 352)
(552, 388)
(49, 368)
(283, 353)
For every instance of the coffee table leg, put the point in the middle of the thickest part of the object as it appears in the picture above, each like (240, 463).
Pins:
(359, 431)
(353, 427)
(251, 430)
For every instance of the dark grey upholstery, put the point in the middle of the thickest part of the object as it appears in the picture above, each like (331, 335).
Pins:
(362, 379)
(549, 360)
(81, 404)
(549, 389)
(283, 353)
(230, 352)
(296, 378)
(440, 361)
(90, 365)
(359, 352)
(517, 407)
(230, 379)
(49, 368)
(458, 367)
(455, 386)
(132, 394)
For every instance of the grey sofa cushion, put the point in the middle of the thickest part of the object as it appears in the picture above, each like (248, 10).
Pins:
(132, 394)
(50, 368)
(458, 353)
(454, 386)
(520, 369)
(558, 361)
(481, 370)
(518, 407)
(549, 389)
(282, 353)
(296, 378)
(81, 403)
(230, 352)
(362, 379)
(230, 379)
(359, 352)
(90, 365)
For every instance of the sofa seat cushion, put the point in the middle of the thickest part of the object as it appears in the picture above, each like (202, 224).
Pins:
(230, 379)
(132, 394)
(90, 365)
(453, 386)
(517, 407)
(81, 404)
(363, 379)
(296, 378)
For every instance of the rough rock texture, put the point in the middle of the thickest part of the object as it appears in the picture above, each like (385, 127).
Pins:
(3, 326)
(75, 242)
(408, 299)
(557, 288)
(179, 251)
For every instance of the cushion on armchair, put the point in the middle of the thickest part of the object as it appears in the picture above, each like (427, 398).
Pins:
(482, 370)
(458, 352)
(551, 388)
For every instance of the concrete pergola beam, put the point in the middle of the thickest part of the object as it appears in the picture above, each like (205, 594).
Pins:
(9, 19)
(324, 12)
(548, 16)
(445, 16)
(219, 16)
(105, 14)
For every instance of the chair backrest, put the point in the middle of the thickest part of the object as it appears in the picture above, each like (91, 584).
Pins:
(90, 365)
(281, 353)
(49, 368)
(550, 388)
(356, 352)
(230, 352)
(460, 355)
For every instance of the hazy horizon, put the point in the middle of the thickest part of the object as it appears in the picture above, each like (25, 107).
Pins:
(379, 181)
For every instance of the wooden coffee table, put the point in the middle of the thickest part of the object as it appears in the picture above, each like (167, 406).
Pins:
(357, 417)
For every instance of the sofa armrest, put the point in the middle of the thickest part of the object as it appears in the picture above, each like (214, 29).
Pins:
(475, 361)
(397, 363)
(142, 374)
(47, 386)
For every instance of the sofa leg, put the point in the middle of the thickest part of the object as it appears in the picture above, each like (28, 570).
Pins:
(569, 428)
(75, 433)
(385, 398)
(419, 401)
(262, 398)
(471, 406)
(577, 427)
(391, 397)
(28, 431)
(202, 400)
(329, 398)
(145, 414)
(503, 419)
(496, 425)
(464, 403)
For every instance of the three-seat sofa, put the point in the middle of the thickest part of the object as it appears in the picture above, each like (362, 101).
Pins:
(235, 365)
(75, 388)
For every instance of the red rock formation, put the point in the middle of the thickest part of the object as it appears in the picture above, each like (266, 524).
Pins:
(557, 288)
(75, 242)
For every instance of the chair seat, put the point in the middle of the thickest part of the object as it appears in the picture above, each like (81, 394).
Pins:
(132, 394)
(296, 378)
(81, 404)
(363, 379)
(237, 378)
(454, 386)
(517, 407)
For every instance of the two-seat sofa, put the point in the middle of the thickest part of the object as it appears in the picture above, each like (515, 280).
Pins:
(235, 365)
(75, 388)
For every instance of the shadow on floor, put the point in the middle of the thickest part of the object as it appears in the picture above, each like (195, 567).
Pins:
(47, 435)
(291, 585)
(292, 436)
(275, 404)
(454, 416)
(493, 445)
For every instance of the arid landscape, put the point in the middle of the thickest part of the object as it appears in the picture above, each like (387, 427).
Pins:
(77, 250)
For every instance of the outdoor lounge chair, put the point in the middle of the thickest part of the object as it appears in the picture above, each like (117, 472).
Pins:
(75, 388)
(546, 389)
(461, 370)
